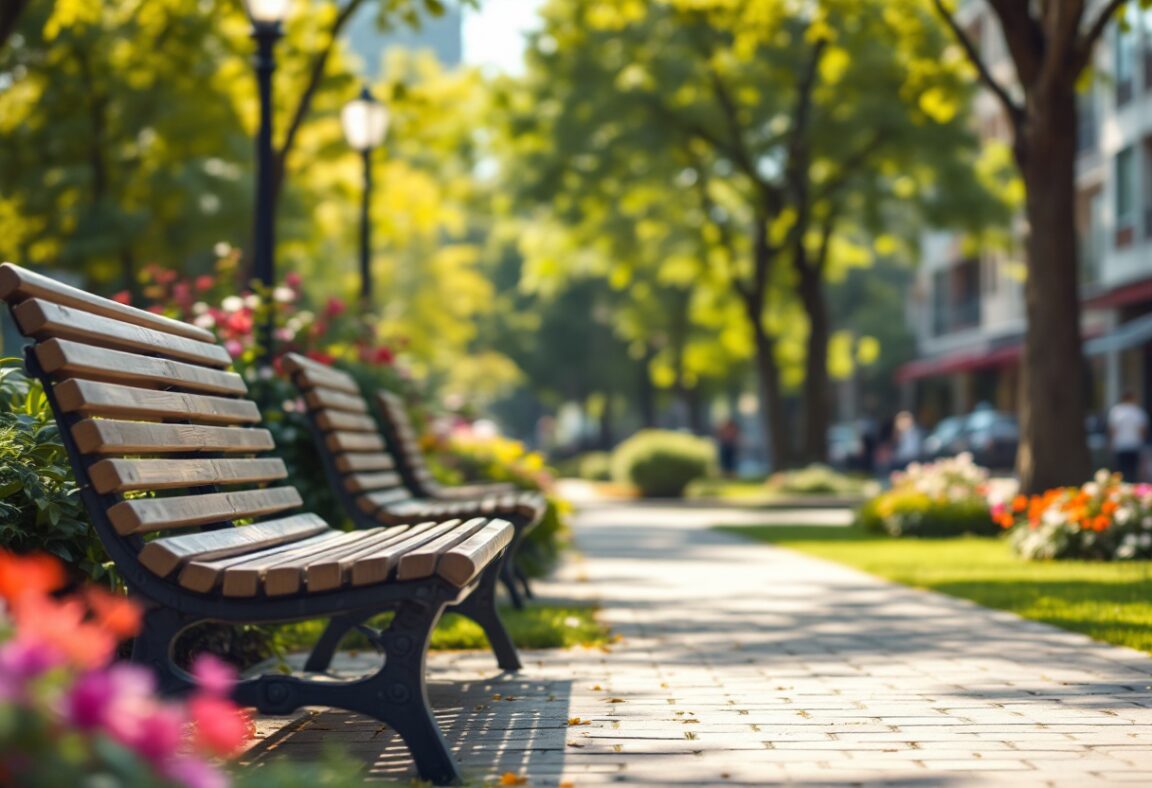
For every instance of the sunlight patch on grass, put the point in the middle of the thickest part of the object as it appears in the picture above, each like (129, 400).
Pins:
(1111, 602)
(537, 626)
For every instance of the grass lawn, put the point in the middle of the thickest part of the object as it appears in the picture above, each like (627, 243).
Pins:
(1111, 602)
(536, 626)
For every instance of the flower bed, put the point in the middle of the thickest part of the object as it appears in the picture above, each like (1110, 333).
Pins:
(1104, 519)
(70, 716)
(944, 498)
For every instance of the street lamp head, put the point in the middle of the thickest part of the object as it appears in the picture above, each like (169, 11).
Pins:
(365, 121)
(266, 13)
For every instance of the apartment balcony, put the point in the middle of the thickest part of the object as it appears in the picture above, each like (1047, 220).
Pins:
(954, 318)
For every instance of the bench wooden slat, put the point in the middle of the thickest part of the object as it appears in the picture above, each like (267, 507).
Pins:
(20, 283)
(353, 462)
(353, 441)
(65, 357)
(111, 399)
(320, 571)
(164, 555)
(421, 561)
(466, 560)
(367, 482)
(203, 574)
(335, 571)
(316, 374)
(109, 436)
(45, 320)
(122, 475)
(330, 398)
(330, 420)
(154, 514)
(376, 568)
(370, 502)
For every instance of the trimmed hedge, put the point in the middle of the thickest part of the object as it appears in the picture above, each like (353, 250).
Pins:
(661, 463)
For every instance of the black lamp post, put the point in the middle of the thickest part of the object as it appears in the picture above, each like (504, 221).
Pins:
(365, 122)
(266, 16)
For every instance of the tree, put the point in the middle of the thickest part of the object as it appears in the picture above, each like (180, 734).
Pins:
(1050, 45)
(785, 128)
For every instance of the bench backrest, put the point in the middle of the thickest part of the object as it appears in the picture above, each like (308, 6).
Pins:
(356, 456)
(404, 444)
(160, 433)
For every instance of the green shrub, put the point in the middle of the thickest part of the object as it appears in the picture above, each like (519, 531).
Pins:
(660, 463)
(595, 466)
(908, 512)
(40, 506)
(816, 479)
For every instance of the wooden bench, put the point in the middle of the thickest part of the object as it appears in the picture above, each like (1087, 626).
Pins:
(166, 452)
(365, 464)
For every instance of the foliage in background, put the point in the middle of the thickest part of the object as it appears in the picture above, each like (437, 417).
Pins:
(1104, 520)
(1111, 602)
(40, 507)
(661, 463)
(464, 458)
(939, 499)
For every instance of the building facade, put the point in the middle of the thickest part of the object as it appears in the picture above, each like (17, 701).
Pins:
(967, 309)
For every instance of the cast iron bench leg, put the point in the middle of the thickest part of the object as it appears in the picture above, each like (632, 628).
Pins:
(480, 606)
(325, 649)
(152, 648)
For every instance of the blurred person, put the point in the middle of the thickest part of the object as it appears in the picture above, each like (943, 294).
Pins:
(1127, 429)
(907, 440)
(728, 445)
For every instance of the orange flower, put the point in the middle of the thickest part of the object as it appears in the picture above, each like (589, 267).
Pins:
(1109, 507)
(1019, 503)
(1005, 520)
(30, 574)
(117, 613)
(60, 624)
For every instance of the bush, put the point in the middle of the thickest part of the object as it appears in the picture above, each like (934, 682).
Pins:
(660, 463)
(466, 458)
(40, 506)
(816, 479)
(1102, 520)
(595, 466)
(941, 499)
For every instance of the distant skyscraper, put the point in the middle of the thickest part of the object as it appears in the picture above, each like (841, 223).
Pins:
(443, 35)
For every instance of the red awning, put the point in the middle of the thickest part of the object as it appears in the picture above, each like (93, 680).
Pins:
(1122, 296)
(965, 361)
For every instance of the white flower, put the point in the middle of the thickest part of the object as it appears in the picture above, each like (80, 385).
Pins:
(252, 301)
(232, 304)
(283, 295)
(199, 308)
(222, 249)
(1102, 476)
(205, 321)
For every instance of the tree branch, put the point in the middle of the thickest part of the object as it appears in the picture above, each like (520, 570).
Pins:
(1024, 37)
(1015, 112)
(1062, 24)
(304, 105)
(851, 165)
(10, 13)
(1087, 41)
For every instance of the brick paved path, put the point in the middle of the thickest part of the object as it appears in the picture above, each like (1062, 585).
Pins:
(742, 663)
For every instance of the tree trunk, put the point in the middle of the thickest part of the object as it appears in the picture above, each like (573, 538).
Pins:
(646, 392)
(771, 402)
(816, 384)
(607, 433)
(1053, 442)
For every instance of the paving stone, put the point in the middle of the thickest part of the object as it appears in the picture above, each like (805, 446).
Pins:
(743, 664)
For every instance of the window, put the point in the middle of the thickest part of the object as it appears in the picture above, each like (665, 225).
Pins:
(1086, 132)
(1125, 52)
(1125, 180)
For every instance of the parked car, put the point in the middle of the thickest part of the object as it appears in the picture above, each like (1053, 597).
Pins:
(845, 447)
(943, 440)
(992, 436)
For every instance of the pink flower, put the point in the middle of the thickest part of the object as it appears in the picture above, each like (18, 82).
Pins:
(21, 661)
(194, 773)
(112, 698)
(159, 733)
(335, 307)
(204, 282)
(214, 675)
(234, 348)
(222, 728)
(293, 279)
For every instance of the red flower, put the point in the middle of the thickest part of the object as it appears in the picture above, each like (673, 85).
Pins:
(117, 613)
(123, 297)
(221, 727)
(60, 625)
(323, 358)
(293, 279)
(31, 574)
(204, 282)
(383, 355)
(335, 307)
